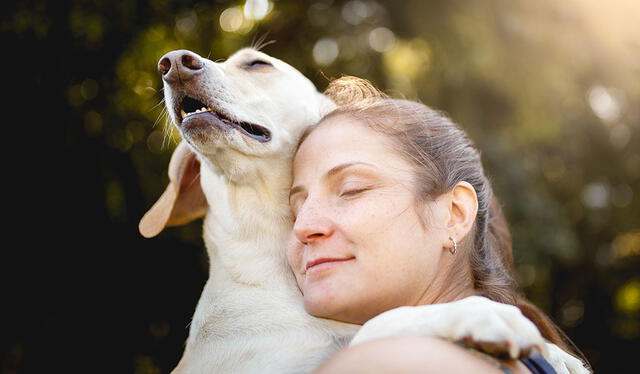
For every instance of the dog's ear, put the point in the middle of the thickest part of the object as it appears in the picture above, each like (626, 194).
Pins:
(182, 201)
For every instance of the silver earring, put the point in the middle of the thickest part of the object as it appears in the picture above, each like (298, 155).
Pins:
(453, 249)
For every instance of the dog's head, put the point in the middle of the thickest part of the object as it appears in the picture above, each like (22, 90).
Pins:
(241, 117)
(252, 104)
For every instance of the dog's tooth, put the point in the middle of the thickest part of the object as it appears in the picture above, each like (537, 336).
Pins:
(183, 113)
(203, 109)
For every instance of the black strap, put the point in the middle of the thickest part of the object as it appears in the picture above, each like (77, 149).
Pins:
(538, 365)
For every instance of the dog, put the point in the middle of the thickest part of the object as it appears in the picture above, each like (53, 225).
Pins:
(240, 121)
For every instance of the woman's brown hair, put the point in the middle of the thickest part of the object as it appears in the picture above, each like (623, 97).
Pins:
(443, 156)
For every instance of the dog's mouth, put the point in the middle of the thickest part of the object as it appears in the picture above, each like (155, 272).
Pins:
(193, 112)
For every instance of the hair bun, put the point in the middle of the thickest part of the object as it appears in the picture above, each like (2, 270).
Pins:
(348, 90)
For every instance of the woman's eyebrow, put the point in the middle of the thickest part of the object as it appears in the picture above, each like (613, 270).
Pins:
(338, 168)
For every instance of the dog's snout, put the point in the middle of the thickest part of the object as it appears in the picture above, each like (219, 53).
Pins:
(180, 65)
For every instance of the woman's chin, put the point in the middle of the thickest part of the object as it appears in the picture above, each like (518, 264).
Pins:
(333, 296)
(323, 305)
(334, 313)
(331, 306)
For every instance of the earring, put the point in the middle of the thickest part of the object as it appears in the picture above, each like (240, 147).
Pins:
(453, 249)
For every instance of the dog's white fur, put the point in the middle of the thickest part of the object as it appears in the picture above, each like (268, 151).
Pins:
(250, 317)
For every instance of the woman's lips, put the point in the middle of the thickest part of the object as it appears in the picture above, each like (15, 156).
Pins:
(325, 262)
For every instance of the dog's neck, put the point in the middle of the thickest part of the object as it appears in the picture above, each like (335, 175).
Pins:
(247, 225)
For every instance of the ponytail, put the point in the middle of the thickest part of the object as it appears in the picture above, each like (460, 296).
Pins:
(500, 245)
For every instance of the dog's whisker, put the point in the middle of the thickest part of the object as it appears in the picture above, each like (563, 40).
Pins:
(272, 41)
(260, 43)
(174, 140)
(166, 136)
(161, 116)
(164, 140)
(264, 44)
(253, 41)
(167, 126)
(169, 132)
(155, 106)
(158, 119)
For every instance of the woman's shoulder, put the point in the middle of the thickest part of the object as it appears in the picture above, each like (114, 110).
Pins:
(415, 354)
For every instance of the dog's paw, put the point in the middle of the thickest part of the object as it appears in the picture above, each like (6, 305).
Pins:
(564, 363)
(489, 326)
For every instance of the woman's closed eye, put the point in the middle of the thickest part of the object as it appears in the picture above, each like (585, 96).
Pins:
(352, 191)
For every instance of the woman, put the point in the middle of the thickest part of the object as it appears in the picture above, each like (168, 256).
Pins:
(392, 208)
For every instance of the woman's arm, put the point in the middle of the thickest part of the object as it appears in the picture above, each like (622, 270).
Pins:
(412, 354)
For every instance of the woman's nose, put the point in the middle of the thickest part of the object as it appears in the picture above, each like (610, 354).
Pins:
(311, 225)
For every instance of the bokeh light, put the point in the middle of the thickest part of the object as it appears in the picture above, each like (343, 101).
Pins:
(325, 51)
(231, 19)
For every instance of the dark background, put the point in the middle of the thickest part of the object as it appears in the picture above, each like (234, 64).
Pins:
(550, 91)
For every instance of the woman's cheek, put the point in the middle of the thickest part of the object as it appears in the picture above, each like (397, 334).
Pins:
(294, 256)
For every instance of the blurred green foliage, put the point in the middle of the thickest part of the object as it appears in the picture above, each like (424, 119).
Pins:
(549, 90)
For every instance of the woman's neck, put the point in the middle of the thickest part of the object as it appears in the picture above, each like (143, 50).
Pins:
(453, 283)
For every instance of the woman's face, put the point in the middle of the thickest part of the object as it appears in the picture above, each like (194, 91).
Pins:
(358, 246)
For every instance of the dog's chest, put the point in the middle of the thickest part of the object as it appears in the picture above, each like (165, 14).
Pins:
(250, 331)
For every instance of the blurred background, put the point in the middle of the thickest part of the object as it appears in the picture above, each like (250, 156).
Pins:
(550, 91)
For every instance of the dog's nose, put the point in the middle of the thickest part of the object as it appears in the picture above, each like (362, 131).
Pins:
(180, 65)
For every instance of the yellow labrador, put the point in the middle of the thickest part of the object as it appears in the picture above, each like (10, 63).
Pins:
(240, 121)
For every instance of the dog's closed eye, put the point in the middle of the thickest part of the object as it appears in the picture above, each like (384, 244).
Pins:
(256, 64)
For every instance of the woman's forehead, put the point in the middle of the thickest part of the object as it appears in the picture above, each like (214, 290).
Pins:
(340, 140)
(336, 137)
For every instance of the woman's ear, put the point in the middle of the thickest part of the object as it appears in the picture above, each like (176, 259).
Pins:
(463, 208)
(183, 200)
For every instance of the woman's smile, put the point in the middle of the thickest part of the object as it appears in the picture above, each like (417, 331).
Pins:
(325, 263)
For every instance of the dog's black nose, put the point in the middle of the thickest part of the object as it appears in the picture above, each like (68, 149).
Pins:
(180, 65)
